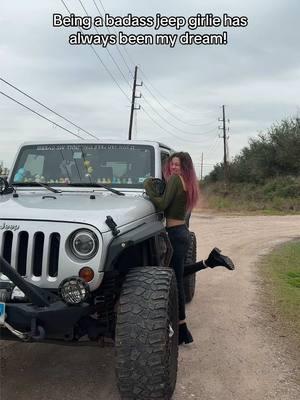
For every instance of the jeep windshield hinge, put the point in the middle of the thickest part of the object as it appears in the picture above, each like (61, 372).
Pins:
(112, 225)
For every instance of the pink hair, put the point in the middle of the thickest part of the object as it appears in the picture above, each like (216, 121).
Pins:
(188, 174)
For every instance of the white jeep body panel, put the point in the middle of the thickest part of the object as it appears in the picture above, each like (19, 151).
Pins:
(65, 213)
(41, 213)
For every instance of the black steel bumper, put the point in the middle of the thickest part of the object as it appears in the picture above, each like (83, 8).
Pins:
(44, 315)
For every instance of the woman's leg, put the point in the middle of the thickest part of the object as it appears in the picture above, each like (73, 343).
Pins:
(215, 259)
(179, 238)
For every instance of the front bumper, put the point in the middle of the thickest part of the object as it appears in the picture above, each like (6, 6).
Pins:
(39, 323)
(44, 316)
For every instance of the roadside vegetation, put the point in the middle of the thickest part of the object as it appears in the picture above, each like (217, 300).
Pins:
(264, 177)
(281, 274)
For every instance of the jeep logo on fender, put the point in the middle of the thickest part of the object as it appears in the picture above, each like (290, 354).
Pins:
(5, 227)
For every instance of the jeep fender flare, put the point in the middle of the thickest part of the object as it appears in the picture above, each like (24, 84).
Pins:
(130, 238)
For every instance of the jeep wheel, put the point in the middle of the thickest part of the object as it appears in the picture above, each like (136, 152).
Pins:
(190, 280)
(147, 334)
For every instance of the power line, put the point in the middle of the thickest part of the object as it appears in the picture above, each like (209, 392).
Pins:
(49, 109)
(216, 149)
(171, 103)
(146, 86)
(123, 58)
(161, 127)
(173, 126)
(166, 130)
(107, 70)
(173, 115)
(63, 2)
(124, 48)
(40, 115)
(213, 146)
(99, 58)
(114, 61)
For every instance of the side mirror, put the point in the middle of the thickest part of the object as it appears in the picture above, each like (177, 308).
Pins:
(4, 186)
(159, 186)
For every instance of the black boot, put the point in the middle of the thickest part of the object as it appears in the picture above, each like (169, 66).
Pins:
(216, 259)
(184, 335)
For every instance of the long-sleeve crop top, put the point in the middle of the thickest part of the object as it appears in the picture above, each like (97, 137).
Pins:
(172, 201)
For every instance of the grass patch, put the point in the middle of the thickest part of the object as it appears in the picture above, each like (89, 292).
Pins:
(281, 272)
(275, 196)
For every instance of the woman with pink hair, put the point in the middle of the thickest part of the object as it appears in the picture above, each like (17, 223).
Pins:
(180, 196)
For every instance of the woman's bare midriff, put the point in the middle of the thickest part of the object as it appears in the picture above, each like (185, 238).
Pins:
(174, 222)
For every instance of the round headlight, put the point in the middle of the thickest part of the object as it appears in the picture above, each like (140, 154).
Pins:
(84, 244)
(73, 290)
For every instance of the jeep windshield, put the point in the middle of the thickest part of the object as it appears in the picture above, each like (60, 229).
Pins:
(116, 165)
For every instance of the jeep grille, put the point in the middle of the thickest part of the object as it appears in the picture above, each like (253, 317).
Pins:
(39, 251)
(30, 252)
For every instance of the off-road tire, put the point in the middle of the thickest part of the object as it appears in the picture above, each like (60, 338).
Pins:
(190, 280)
(147, 334)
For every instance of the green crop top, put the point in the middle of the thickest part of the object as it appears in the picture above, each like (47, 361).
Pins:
(173, 201)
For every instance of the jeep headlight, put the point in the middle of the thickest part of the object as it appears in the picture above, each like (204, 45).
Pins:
(84, 244)
(73, 290)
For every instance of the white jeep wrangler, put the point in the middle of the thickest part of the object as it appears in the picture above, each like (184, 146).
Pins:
(84, 255)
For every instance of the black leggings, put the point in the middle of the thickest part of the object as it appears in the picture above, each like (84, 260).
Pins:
(179, 238)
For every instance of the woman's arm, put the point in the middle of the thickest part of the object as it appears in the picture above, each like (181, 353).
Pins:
(162, 202)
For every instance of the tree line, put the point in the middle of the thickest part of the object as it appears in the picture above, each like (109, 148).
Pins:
(274, 154)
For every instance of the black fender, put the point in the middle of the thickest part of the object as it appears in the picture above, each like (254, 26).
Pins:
(137, 235)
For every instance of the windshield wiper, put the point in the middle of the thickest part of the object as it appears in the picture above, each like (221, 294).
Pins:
(45, 185)
(94, 184)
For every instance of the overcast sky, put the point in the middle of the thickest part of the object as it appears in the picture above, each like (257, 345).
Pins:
(256, 75)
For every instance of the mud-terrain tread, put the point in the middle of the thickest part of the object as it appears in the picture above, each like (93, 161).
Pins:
(146, 358)
(190, 280)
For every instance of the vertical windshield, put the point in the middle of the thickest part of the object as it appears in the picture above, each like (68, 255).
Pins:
(117, 165)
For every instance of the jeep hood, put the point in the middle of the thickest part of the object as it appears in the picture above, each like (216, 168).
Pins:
(75, 207)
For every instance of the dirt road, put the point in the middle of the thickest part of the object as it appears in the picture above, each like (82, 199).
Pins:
(236, 355)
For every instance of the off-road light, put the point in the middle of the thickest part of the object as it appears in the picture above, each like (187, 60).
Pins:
(84, 244)
(86, 273)
(73, 290)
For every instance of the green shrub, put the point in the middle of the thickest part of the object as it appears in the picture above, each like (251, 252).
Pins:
(277, 194)
(270, 155)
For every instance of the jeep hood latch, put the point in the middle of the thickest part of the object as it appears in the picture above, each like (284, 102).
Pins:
(112, 225)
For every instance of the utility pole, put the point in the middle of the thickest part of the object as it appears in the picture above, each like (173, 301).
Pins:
(134, 96)
(225, 137)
